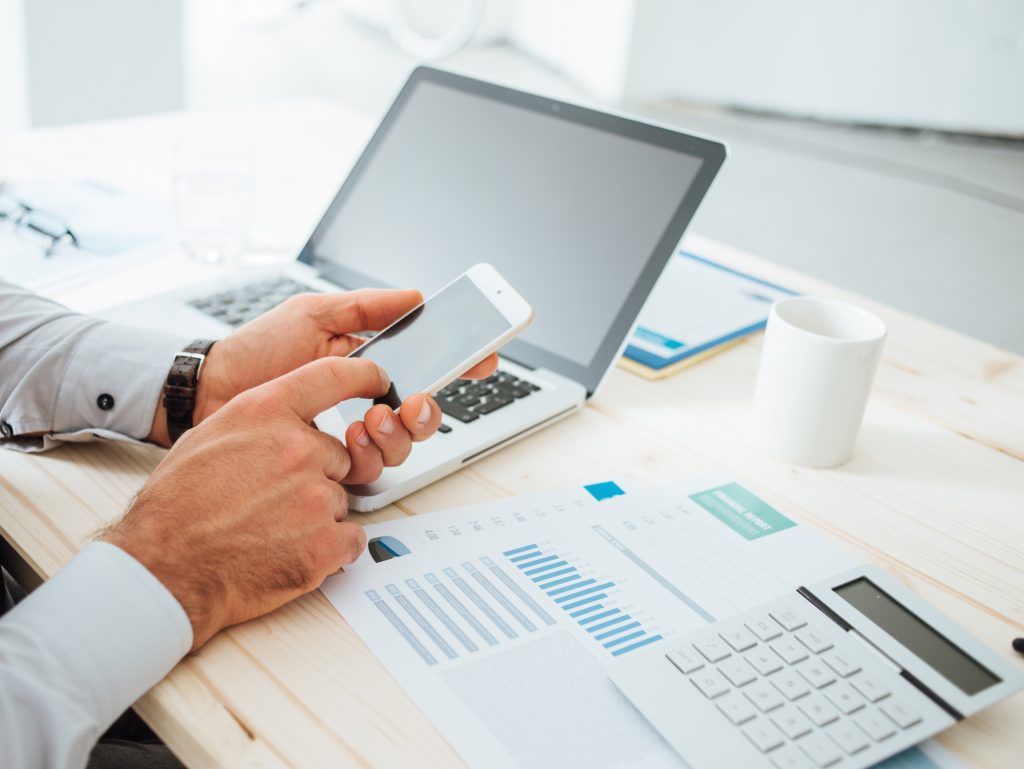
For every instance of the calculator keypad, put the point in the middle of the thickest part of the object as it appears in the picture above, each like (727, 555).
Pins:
(795, 696)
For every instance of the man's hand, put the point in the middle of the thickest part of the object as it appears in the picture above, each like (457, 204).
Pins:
(246, 512)
(307, 328)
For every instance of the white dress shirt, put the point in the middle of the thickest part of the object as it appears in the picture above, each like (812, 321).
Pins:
(83, 647)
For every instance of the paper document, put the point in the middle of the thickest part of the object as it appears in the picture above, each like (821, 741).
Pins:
(499, 619)
(696, 306)
(113, 228)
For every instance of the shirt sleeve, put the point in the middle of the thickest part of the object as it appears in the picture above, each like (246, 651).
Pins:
(70, 377)
(80, 650)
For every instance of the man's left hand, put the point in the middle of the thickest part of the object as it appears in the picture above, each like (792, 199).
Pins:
(306, 328)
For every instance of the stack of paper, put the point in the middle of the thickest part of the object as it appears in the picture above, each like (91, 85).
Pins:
(696, 309)
(499, 620)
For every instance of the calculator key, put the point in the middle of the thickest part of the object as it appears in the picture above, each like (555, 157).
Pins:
(841, 663)
(764, 696)
(764, 735)
(815, 673)
(710, 683)
(789, 619)
(820, 749)
(791, 685)
(736, 708)
(790, 757)
(739, 638)
(764, 627)
(792, 722)
(818, 709)
(848, 736)
(845, 698)
(713, 649)
(737, 671)
(687, 660)
(790, 651)
(902, 714)
(814, 641)
(875, 724)
(870, 688)
(764, 660)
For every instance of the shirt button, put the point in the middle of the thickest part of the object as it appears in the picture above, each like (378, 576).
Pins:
(105, 401)
(6, 430)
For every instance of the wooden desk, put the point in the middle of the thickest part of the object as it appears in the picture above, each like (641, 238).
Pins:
(935, 492)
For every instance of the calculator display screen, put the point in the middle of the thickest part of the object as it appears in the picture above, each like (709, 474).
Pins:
(962, 670)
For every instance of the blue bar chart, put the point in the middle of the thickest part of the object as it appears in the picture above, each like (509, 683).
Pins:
(585, 599)
(459, 610)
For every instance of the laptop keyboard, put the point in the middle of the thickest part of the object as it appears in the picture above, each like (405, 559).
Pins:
(242, 304)
(465, 400)
(469, 399)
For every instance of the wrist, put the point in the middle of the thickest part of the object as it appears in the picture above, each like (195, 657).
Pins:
(198, 599)
(191, 393)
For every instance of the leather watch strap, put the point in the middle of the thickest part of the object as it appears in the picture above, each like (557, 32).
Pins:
(180, 388)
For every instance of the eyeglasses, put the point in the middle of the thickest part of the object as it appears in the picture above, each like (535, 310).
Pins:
(41, 228)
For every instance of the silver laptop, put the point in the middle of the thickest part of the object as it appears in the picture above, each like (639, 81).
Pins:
(580, 210)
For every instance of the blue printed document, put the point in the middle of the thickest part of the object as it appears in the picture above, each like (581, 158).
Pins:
(499, 619)
(696, 306)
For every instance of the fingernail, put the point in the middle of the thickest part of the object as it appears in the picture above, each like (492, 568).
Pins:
(363, 439)
(425, 412)
(387, 424)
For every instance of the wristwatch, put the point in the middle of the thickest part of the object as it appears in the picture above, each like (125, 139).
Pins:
(180, 388)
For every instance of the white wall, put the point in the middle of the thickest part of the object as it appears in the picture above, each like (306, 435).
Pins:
(95, 59)
(949, 64)
(13, 73)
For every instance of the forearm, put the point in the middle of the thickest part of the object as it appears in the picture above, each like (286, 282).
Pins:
(67, 376)
(79, 651)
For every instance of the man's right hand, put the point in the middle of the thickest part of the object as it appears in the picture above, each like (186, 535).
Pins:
(247, 511)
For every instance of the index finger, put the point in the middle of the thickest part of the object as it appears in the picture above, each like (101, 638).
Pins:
(311, 389)
(483, 369)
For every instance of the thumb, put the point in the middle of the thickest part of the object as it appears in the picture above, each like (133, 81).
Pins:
(315, 387)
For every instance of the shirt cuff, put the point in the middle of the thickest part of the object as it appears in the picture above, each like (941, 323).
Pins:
(113, 626)
(113, 382)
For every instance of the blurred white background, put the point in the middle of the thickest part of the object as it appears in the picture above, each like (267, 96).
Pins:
(878, 145)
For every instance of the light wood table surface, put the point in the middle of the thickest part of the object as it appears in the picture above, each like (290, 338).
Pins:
(934, 493)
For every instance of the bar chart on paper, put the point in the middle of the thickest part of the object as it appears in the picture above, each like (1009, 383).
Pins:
(457, 611)
(588, 601)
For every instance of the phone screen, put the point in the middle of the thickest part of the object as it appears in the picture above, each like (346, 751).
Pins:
(432, 340)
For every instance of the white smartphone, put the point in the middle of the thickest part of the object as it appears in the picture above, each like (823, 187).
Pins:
(439, 340)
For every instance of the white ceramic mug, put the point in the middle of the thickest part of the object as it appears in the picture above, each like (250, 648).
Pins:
(817, 364)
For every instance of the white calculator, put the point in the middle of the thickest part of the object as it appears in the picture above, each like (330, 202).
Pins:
(844, 673)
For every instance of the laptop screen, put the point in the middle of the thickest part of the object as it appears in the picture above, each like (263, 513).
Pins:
(572, 207)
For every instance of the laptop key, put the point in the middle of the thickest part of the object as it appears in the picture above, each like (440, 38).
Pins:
(456, 411)
(493, 403)
(467, 400)
(443, 428)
